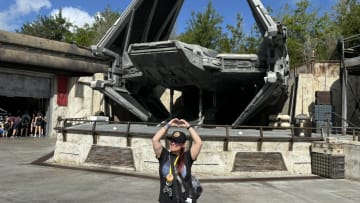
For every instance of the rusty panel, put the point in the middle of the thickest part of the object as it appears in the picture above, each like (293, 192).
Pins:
(323, 97)
(328, 165)
(113, 156)
(259, 161)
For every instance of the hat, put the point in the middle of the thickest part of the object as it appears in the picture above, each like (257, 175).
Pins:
(177, 137)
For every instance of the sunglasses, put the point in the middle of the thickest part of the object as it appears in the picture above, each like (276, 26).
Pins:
(174, 143)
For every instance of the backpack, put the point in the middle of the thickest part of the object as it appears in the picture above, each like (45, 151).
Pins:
(196, 188)
(6, 126)
(25, 120)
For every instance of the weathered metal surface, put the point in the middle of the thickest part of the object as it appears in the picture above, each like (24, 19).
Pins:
(110, 156)
(42, 62)
(24, 52)
(323, 97)
(216, 88)
(26, 86)
(353, 65)
(175, 65)
(328, 165)
(351, 54)
(259, 161)
(220, 133)
(21, 40)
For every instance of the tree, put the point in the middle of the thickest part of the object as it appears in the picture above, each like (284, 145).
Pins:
(53, 27)
(103, 21)
(252, 41)
(92, 34)
(204, 29)
(235, 42)
(347, 17)
(308, 33)
(59, 29)
(239, 42)
(82, 36)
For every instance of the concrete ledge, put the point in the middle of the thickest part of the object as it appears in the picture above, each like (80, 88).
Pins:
(352, 160)
(342, 145)
(213, 161)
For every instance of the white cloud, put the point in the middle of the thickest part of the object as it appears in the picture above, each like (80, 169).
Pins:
(75, 16)
(26, 6)
(10, 16)
(4, 24)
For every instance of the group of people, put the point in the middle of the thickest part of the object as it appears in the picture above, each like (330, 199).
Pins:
(175, 162)
(25, 125)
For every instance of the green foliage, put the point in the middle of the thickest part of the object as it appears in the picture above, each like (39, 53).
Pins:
(204, 29)
(237, 35)
(309, 34)
(92, 34)
(82, 36)
(103, 21)
(57, 28)
(347, 17)
(252, 41)
(53, 27)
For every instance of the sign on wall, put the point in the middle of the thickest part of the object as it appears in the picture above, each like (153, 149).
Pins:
(62, 86)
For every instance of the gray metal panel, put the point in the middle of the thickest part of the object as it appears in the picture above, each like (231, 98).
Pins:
(263, 19)
(174, 64)
(43, 61)
(142, 21)
(13, 85)
(269, 94)
(353, 65)
(127, 101)
(350, 62)
(25, 52)
(170, 65)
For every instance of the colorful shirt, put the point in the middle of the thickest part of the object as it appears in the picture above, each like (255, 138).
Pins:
(176, 188)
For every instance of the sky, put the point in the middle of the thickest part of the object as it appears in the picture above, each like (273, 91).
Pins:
(14, 13)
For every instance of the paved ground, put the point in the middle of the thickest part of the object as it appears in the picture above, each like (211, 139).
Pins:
(21, 181)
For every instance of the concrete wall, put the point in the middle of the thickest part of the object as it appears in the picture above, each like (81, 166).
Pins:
(352, 160)
(80, 103)
(212, 161)
(24, 85)
(343, 146)
(325, 77)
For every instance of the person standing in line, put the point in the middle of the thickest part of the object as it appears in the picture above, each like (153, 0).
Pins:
(38, 124)
(11, 120)
(175, 164)
(17, 126)
(32, 124)
(25, 121)
(1, 128)
(7, 125)
(43, 126)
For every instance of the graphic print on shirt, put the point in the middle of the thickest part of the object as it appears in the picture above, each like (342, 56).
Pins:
(166, 168)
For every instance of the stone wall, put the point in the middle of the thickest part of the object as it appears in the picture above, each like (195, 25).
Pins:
(352, 160)
(325, 77)
(213, 161)
(83, 101)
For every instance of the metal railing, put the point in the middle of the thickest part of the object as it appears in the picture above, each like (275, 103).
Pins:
(354, 130)
(67, 125)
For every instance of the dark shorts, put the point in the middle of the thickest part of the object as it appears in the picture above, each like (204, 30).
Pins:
(17, 125)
